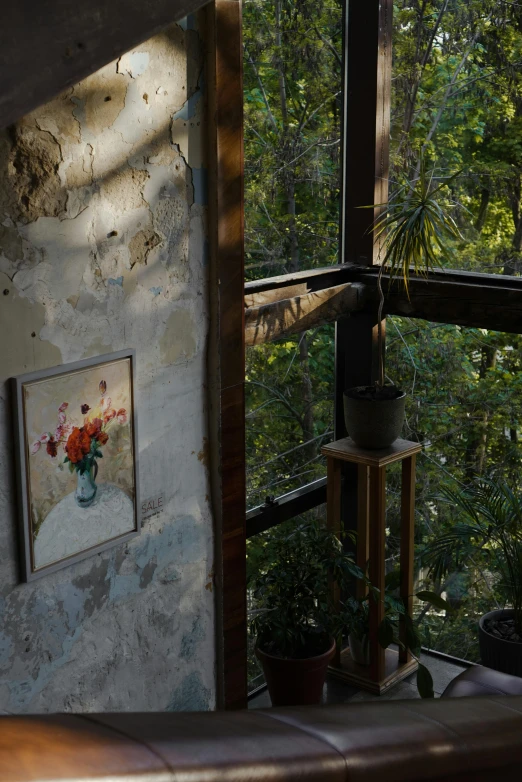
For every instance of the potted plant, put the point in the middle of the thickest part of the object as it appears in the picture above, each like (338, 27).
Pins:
(490, 525)
(357, 620)
(412, 231)
(296, 620)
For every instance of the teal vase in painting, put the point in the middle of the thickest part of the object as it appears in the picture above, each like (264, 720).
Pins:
(86, 487)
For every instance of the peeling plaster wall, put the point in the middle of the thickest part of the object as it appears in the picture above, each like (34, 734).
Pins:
(103, 247)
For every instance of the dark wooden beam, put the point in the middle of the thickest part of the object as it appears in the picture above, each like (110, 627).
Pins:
(49, 45)
(300, 313)
(462, 298)
(491, 301)
(484, 281)
(226, 352)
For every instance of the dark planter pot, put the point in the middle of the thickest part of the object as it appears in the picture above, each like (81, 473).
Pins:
(496, 653)
(295, 682)
(373, 423)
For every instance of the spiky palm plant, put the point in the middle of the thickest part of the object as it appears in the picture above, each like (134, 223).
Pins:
(491, 521)
(413, 231)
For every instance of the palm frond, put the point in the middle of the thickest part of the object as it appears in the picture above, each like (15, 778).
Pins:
(489, 520)
(414, 229)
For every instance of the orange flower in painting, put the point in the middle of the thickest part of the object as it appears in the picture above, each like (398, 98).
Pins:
(102, 438)
(78, 444)
(93, 428)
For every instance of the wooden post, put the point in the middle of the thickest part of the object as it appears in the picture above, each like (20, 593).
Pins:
(226, 354)
(407, 545)
(377, 571)
(366, 124)
(333, 513)
(363, 523)
(367, 37)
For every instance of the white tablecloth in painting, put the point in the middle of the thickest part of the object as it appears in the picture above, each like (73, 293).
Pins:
(68, 529)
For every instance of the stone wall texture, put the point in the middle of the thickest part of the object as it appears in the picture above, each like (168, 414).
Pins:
(103, 247)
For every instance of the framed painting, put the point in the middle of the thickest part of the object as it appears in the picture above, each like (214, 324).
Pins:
(77, 460)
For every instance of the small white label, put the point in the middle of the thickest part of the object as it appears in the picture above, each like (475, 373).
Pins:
(152, 506)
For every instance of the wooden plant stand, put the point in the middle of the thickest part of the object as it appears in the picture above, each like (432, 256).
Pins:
(387, 667)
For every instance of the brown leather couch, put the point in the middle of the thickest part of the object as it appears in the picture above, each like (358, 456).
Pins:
(479, 680)
(465, 739)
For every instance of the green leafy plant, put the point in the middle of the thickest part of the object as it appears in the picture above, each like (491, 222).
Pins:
(394, 612)
(491, 522)
(296, 614)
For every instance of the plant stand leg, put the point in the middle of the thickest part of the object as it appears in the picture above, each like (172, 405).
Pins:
(333, 520)
(407, 547)
(363, 524)
(377, 573)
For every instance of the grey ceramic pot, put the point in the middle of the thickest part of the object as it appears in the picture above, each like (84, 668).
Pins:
(373, 423)
(359, 649)
(497, 653)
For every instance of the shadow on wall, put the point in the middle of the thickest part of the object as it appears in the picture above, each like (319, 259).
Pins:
(115, 166)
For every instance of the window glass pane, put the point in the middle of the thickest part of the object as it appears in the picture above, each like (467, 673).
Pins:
(292, 88)
(456, 98)
(464, 404)
(289, 403)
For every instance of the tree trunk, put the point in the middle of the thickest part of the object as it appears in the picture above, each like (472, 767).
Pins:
(489, 361)
(293, 239)
(511, 258)
(485, 196)
(418, 67)
(293, 246)
(477, 448)
(308, 397)
(280, 66)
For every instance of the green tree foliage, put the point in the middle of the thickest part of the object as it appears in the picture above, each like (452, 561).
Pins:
(457, 105)
(289, 413)
(292, 80)
(457, 98)
(292, 83)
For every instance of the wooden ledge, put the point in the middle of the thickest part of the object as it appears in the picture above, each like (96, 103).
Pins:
(294, 315)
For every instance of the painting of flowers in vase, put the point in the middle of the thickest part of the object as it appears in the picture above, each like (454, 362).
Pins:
(77, 466)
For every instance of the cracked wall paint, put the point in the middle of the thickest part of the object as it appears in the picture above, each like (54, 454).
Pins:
(102, 247)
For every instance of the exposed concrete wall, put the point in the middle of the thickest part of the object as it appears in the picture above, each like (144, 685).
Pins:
(103, 247)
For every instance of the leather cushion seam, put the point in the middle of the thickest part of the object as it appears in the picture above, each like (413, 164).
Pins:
(139, 742)
(302, 729)
(170, 768)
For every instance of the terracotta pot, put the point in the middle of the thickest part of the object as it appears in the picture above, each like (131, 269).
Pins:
(373, 423)
(497, 653)
(295, 682)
